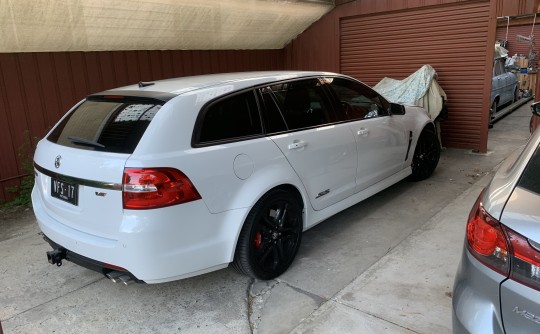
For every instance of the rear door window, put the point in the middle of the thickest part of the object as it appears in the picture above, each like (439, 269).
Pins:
(274, 119)
(303, 103)
(105, 125)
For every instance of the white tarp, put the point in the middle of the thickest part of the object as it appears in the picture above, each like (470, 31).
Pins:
(420, 89)
(500, 52)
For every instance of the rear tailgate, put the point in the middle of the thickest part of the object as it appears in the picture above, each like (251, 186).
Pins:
(84, 192)
(79, 166)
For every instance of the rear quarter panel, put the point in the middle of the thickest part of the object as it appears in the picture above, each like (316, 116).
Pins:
(228, 176)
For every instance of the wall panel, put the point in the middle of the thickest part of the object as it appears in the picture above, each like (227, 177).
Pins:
(36, 89)
(516, 7)
(515, 46)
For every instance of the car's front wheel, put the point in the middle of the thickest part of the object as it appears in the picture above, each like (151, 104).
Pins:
(426, 155)
(270, 237)
(493, 110)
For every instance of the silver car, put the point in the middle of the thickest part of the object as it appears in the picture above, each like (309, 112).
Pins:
(504, 87)
(497, 286)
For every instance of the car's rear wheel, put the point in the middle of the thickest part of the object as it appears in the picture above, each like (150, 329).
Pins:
(426, 155)
(270, 237)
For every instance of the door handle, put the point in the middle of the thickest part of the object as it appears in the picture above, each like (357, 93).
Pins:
(296, 145)
(363, 132)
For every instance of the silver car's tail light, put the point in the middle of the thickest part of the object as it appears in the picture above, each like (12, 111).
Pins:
(151, 188)
(525, 260)
(486, 240)
(502, 249)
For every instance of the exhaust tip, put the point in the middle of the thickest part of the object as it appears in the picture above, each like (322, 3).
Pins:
(119, 277)
(126, 279)
(114, 276)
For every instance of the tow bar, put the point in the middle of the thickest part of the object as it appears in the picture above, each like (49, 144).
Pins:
(56, 256)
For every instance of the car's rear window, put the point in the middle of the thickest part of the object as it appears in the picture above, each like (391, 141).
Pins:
(530, 179)
(108, 126)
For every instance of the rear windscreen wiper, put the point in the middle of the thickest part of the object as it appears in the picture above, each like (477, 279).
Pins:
(85, 142)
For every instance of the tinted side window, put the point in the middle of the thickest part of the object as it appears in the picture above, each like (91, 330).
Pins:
(232, 117)
(107, 126)
(303, 103)
(274, 119)
(357, 101)
(530, 179)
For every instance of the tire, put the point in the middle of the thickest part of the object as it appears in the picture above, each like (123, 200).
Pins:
(492, 112)
(516, 95)
(270, 237)
(426, 155)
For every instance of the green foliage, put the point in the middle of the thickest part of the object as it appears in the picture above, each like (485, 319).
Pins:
(24, 190)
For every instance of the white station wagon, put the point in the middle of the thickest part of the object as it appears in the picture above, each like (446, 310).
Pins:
(169, 179)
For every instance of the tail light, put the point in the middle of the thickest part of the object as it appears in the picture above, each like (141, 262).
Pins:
(486, 239)
(525, 260)
(502, 249)
(151, 188)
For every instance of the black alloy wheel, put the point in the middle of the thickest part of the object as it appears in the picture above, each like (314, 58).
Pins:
(426, 155)
(270, 237)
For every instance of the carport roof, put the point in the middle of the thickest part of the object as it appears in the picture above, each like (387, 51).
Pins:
(99, 25)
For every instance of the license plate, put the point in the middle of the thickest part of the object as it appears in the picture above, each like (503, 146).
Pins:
(65, 191)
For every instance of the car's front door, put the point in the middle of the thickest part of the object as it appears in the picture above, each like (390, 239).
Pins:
(381, 139)
(322, 153)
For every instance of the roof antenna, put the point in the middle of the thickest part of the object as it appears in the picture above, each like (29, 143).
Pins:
(143, 84)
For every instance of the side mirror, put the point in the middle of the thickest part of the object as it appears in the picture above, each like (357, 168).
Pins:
(397, 109)
(535, 108)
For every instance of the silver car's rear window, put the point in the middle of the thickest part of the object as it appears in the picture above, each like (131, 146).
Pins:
(105, 125)
(530, 179)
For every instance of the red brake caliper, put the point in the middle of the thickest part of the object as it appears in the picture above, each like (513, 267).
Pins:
(258, 240)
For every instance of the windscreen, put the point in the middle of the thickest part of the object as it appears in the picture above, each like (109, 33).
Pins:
(105, 125)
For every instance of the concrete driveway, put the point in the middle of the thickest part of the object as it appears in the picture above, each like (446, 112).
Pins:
(385, 265)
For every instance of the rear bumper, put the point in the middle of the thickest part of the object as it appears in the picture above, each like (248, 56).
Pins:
(153, 246)
(89, 263)
(475, 303)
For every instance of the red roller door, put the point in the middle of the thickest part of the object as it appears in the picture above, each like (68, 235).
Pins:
(451, 38)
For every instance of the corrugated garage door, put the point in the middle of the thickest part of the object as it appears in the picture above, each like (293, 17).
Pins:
(452, 39)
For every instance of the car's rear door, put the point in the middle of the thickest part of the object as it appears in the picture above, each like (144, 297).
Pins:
(322, 152)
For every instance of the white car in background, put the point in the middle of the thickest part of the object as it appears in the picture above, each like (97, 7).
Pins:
(165, 180)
